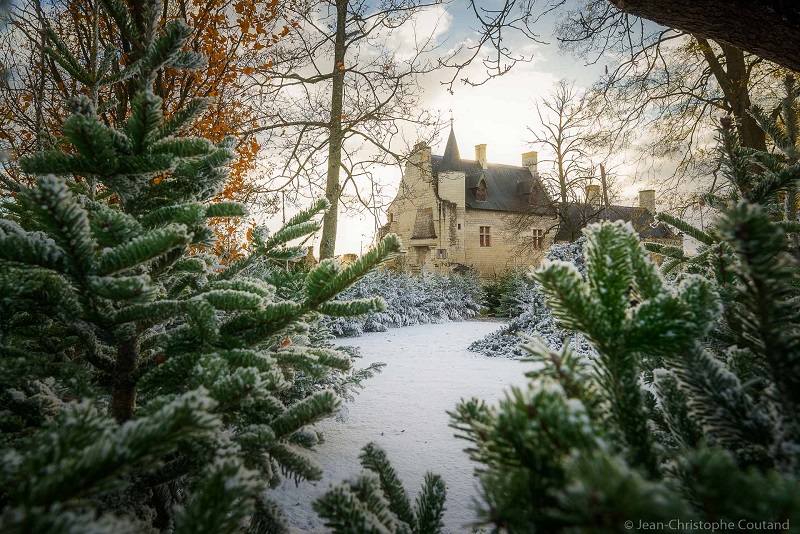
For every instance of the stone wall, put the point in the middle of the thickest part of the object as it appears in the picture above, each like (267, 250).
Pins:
(415, 196)
(508, 247)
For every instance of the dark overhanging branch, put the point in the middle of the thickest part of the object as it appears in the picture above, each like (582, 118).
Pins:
(767, 28)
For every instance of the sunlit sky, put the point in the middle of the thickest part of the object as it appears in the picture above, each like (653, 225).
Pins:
(498, 113)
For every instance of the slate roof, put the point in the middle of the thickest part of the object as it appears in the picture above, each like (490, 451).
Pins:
(577, 216)
(508, 187)
(451, 155)
(514, 189)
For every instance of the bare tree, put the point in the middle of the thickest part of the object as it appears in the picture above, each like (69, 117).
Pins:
(564, 133)
(666, 81)
(339, 94)
(571, 142)
(495, 24)
(766, 28)
(663, 87)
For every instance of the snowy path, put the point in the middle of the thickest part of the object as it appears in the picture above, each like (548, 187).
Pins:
(403, 410)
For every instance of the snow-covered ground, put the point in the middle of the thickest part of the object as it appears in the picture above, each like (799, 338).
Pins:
(429, 369)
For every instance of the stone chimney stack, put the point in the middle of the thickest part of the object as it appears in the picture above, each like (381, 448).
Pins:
(480, 155)
(530, 160)
(420, 161)
(594, 196)
(647, 200)
(421, 151)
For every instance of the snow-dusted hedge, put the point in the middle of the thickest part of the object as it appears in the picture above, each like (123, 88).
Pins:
(502, 292)
(411, 299)
(531, 316)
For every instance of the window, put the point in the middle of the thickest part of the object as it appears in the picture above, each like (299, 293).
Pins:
(486, 238)
(480, 194)
(441, 253)
(459, 226)
(538, 238)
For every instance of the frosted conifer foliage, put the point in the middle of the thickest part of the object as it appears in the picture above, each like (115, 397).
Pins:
(422, 299)
(690, 407)
(141, 382)
(532, 317)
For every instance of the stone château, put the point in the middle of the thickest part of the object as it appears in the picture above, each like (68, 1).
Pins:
(456, 213)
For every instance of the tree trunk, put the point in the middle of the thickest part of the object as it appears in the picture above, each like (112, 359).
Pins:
(562, 178)
(734, 81)
(138, 10)
(605, 189)
(123, 393)
(750, 133)
(330, 220)
(767, 28)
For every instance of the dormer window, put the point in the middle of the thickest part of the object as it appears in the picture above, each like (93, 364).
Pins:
(480, 190)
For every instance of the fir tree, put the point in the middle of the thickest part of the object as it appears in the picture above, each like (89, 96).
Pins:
(141, 381)
(376, 502)
(690, 408)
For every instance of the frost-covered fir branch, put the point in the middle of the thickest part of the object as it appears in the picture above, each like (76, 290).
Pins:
(376, 501)
(688, 408)
(142, 383)
(530, 316)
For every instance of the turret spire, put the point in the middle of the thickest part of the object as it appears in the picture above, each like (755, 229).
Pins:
(451, 154)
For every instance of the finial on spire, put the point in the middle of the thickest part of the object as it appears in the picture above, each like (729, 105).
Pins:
(451, 118)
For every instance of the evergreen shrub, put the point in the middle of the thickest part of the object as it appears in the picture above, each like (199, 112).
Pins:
(501, 291)
(142, 383)
(687, 416)
(411, 299)
(526, 305)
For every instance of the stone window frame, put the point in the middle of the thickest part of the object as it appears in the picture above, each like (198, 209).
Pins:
(485, 235)
(537, 235)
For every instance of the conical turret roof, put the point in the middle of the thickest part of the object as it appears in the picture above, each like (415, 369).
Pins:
(451, 155)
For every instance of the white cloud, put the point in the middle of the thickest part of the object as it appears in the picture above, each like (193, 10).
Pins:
(422, 31)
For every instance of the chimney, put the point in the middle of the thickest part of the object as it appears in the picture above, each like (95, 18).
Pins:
(530, 160)
(419, 162)
(421, 151)
(593, 196)
(647, 200)
(480, 155)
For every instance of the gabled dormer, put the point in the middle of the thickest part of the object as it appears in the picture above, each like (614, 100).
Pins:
(480, 191)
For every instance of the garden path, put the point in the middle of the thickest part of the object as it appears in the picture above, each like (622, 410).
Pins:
(403, 409)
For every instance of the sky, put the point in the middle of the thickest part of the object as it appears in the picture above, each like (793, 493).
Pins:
(498, 113)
